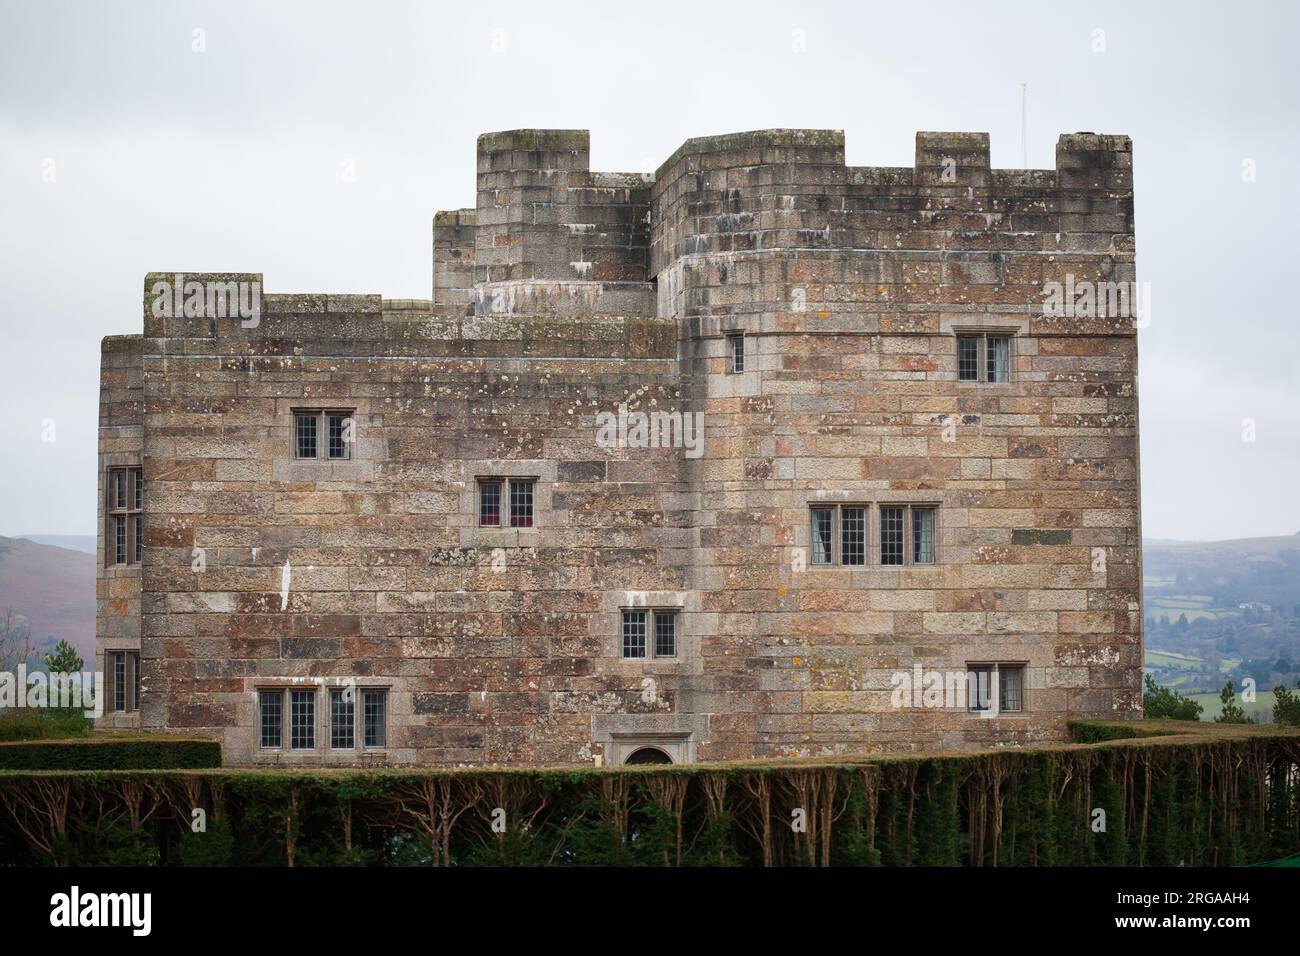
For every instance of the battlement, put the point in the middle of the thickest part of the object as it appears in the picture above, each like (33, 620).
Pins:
(550, 233)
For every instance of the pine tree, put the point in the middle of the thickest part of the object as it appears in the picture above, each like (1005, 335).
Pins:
(64, 659)
(1232, 712)
(1286, 706)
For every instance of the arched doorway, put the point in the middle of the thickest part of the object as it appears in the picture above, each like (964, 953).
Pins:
(648, 755)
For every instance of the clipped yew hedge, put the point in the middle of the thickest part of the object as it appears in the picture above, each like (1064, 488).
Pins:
(110, 753)
(1209, 798)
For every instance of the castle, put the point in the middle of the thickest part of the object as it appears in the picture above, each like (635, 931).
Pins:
(742, 459)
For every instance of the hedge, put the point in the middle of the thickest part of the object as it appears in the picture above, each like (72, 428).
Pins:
(43, 724)
(113, 753)
(1097, 731)
(1219, 797)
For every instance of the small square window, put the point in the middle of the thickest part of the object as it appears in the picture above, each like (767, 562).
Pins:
(649, 633)
(736, 352)
(323, 434)
(518, 501)
(1009, 680)
(984, 358)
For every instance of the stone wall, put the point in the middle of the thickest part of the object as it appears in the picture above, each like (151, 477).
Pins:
(121, 445)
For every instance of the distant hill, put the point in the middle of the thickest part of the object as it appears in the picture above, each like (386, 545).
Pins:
(1223, 610)
(73, 542)
(1268, 545)
(1266, 570)
(52, 589)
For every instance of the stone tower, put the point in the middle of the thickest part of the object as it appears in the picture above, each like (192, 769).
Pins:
(913, 460)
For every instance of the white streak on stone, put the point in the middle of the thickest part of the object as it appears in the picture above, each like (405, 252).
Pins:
(285, 573)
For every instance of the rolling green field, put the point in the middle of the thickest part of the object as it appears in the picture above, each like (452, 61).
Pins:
(1173, 659)
(1261, 709)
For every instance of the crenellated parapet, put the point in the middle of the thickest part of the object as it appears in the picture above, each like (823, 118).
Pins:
(551, 236)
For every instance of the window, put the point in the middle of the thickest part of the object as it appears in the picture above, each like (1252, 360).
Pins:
(1009, 680)
(305, 434)
(984, 358)
(271, 705)
(339, 428)
(907, 534)
(302, 719)
(342, 712)
(119, 539)
(1011, 686)
(335, 425)
(665, 634)
(853, 534)
(521, 504)
(636, 624)
(823, 524)
(897, 546)
(519, 492)
(119, 682)
(489, 504)
(736, 352)
(374, 705)
(125, 540)
(923, 536)
(850, 546)
(891, 534)
(126, 681)
(634, 633)
(342, 718)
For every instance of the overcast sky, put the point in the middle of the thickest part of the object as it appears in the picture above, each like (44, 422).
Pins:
(230, 158)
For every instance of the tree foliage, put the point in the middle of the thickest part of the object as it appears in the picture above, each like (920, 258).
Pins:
(1160, 701)
(1286, 706)
(1232, 712)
